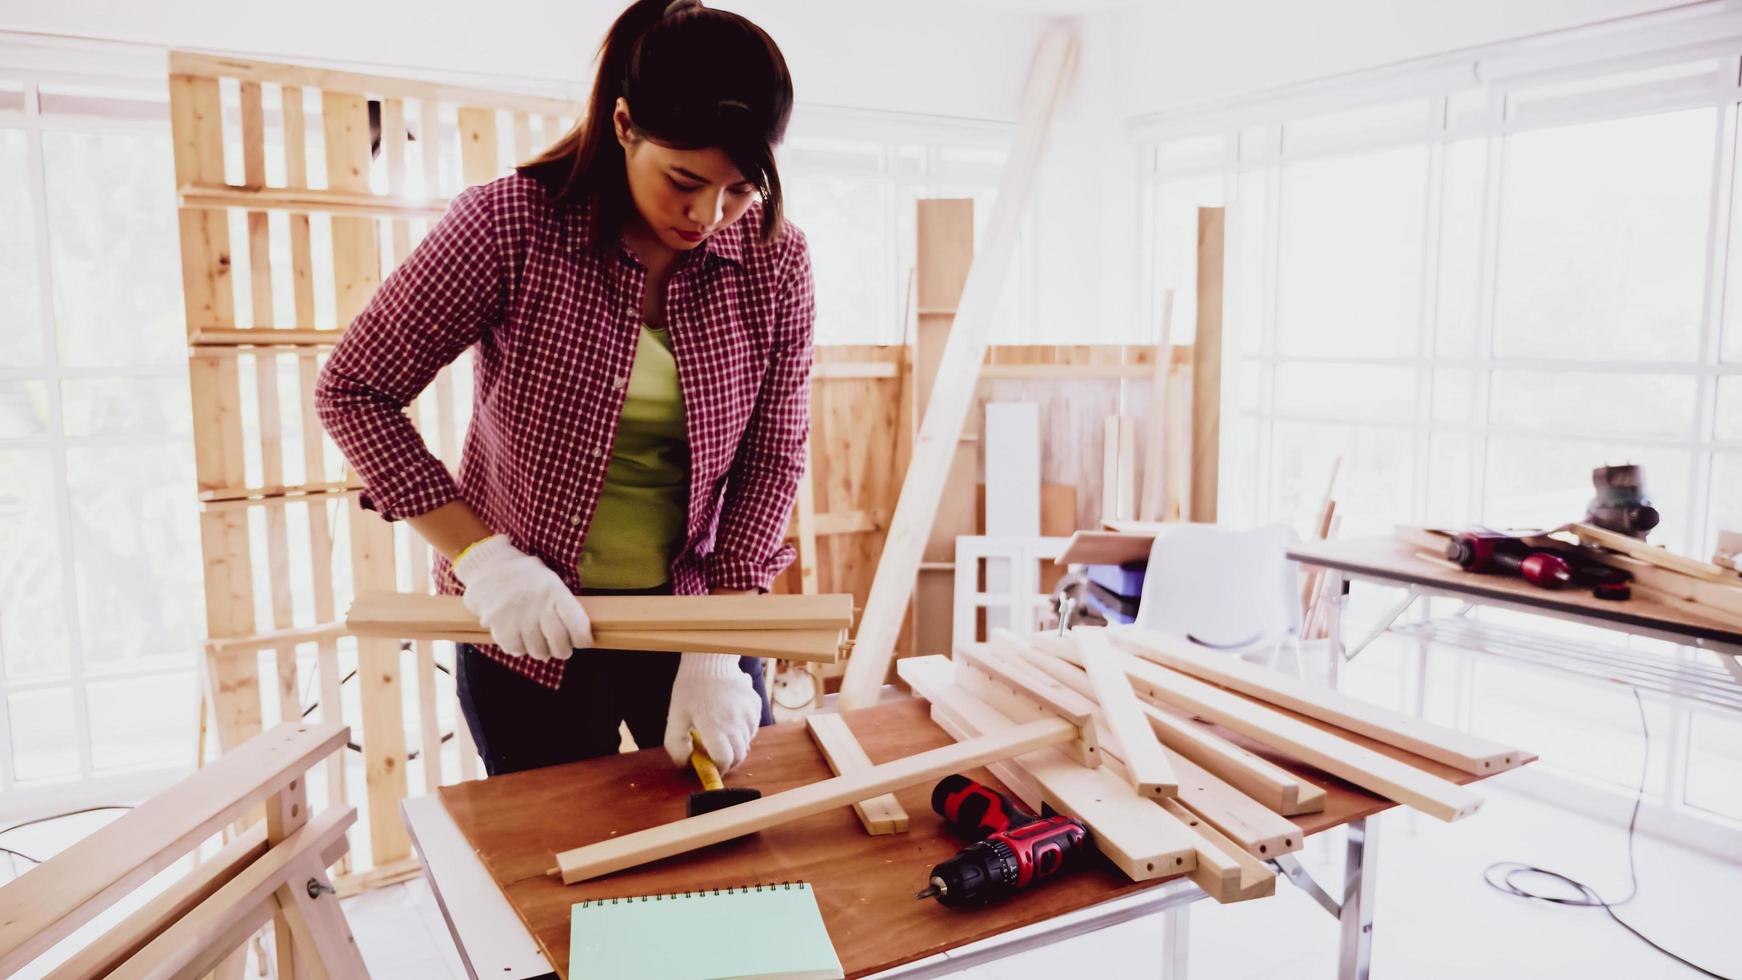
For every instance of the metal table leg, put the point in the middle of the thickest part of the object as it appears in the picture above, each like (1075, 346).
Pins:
(1176, 930)
(1334, 626)
(1360, 878)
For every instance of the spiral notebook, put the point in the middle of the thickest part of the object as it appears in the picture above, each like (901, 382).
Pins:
(753, 931)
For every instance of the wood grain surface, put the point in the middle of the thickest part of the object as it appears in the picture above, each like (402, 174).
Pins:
(864, 885)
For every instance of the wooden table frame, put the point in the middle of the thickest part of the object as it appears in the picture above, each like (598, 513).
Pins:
(493, 942)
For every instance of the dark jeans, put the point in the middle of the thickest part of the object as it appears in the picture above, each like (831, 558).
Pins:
(520, 724)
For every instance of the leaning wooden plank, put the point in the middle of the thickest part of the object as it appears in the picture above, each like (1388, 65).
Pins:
(1207, 368)
(1394, 780)
(66, 891)
(1264, 781)
(630, 850)
(1149, 769)
(697, 612)
(188, 948)
(1260, 831)
(115, 945)
(1460, 750)
(881, 814)
(1134, 835)
(940, 432)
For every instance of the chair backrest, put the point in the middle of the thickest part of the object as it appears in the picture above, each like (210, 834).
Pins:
(1226, 589)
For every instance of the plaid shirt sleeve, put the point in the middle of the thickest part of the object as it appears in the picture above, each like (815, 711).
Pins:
(749, 550)
(434, 305)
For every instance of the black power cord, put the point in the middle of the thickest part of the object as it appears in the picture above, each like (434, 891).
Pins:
(1587, 897)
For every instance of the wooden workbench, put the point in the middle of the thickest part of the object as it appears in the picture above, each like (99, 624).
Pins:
(864, 885)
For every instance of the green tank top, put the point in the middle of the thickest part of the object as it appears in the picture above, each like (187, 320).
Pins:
(644, 505)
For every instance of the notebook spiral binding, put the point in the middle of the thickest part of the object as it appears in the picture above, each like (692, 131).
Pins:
(698, 893)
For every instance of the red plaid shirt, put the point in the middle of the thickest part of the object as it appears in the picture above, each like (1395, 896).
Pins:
(554, 327)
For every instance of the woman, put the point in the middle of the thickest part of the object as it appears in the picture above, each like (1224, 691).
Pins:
(641, 320)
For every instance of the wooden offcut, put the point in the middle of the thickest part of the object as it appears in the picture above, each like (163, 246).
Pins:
(939, 433)
(1147, 765)
(880, 814)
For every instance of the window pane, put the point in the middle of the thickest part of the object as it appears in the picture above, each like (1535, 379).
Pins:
(1715, 765)
(23, 409)
(1623, 404)
(126, 406)
(1591, 728)
(20, 326)
(1349, 266)
(846, 222)
(1545, 482)
(1375, 487)
(136, 545)
(1450, 461)
(33, 615)
(114, 247)
(1726, 503)
(44, 744)
(141, 722)
(1730, 409)
(1603, 238)
(1463, 187)
(1348, 391)
(1176, 227)
(1454, 396)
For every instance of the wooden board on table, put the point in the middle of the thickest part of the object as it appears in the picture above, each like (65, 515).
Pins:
(1106, 548)
(514, 822)
(880, 814)
(1391, 560)
(621, 613)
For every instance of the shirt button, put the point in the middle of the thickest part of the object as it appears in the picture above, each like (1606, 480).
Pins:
(597, 452)
(575, 521)
(620, 382)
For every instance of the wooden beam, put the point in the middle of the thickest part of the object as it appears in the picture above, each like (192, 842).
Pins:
(1225, 872)
(222, 197)
(619, 613)
(1018, 703)
(880, 814)
(1152, 505)
(221, 66)
(1125, 827)
(1057, 698)
(1106, 548)
(1207, 368)
(941, 431)
(642, 846)
(1151, 773)
(1651, 554)
(1258, 778)
(72, 887)
(1380, 774)
(1460, 750)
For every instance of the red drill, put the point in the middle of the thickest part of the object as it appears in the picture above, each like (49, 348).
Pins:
(1015, 848)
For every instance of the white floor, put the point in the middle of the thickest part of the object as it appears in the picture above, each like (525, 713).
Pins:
(1435, 917)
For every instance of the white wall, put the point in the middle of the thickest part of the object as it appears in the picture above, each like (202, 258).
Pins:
(1176, 53)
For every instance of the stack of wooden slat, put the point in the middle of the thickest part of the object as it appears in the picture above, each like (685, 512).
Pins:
(1164, 793)
(808, 628)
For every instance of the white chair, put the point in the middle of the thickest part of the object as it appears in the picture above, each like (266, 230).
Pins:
(1228, 590)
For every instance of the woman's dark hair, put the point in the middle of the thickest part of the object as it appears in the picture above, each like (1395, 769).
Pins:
(693, 78)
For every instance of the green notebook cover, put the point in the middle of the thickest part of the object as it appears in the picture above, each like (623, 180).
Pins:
(753, 931)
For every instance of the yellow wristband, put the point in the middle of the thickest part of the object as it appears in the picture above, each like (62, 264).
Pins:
(462, 552)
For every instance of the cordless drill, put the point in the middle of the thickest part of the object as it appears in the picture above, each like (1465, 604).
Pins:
(1012, 849)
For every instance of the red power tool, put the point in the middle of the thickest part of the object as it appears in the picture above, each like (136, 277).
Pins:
(1491, 552)
(1012, 850)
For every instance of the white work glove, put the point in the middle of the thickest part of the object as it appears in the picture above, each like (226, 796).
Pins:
(713, 696)
(525, 606)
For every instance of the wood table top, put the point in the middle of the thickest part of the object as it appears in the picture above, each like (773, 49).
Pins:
(1393, 560)
(864, 885)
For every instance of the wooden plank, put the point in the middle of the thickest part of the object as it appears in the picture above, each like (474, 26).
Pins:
(206, 934)
(1207, 368)
(1650, 554)
(1381, 774)
(286, 812)
(630, 850)
(1151, 773)
(880, 814)
(1018, 703)
(1260, 779)
(1055, 697)
(939, 434)
(1106, 548)
(478, 161)
(1135, 836)
(726, 613)
(353, 83)
(111, 948)
(803, 645)
(805, 508)
(1152, 504)
(39, 909)
(1225, 872)
(318, 923)
(305, 201)
(1260, 831)
(1460, 750)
